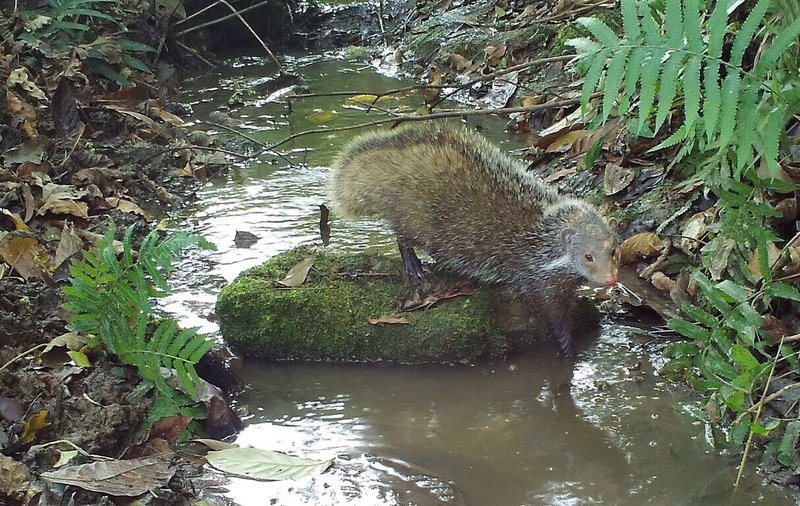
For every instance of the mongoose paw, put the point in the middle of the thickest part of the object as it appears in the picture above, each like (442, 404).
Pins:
(413, 268)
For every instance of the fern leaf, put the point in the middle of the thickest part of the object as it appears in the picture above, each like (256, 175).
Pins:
(647, 92)
(652, 33)
(127, 248)
(180, 341)
(633, 70)
(691, 26)
(614, 75)
(673, 20)
(676, 137)
(600, 30)
(630, 20)
(593, 77)
(713, 98)
(730, 104)
(779, 45)
(717, 28)
(669, 86)
(747, 31)
(691, 91)
(745, 131)
(187, 379)
(776, 125)
(584, 45)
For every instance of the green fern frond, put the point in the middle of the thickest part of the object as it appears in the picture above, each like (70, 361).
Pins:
(614, 76)
(652, 32)
(779, 45)
(717, 29)
(630, 21)
(692, 26)
(669, 86)
(691, 91)
(674, 23)
(713, 98)
(600, 30)
(730, 104)
(647, 92)
(747, 31)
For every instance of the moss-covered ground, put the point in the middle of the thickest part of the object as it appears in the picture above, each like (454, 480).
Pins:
(327, 317)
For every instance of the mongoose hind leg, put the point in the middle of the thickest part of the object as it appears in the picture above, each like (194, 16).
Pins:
(558, 312)
(412, 266)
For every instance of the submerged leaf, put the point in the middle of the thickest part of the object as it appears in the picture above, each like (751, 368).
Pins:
(264, 464)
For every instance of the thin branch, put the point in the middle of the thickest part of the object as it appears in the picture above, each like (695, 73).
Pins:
(439, 115)
(265, 146)
(22, 355)
(200, 148)
(214, 21)
(246, 24)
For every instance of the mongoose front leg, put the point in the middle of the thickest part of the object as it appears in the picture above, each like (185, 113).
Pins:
(412, 266)
(558, 313)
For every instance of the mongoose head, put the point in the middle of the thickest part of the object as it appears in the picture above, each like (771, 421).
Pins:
(593, 252)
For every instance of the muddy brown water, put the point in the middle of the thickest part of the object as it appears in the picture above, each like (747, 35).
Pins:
(533, 429)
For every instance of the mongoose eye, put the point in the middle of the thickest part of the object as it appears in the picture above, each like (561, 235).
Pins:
(589, 258)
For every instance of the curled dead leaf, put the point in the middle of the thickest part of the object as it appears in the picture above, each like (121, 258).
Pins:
(616, 178)
(24, 254)
(639, 246)
(297, 274)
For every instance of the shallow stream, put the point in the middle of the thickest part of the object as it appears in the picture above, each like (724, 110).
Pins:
(533, 429)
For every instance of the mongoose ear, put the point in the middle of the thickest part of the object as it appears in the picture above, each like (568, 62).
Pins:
(567, 235)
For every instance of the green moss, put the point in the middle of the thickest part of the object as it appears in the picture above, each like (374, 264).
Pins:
(327, 317)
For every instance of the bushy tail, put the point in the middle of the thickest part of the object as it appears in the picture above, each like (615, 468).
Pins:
(352, 185)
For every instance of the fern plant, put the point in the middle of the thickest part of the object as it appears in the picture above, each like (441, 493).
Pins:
(722, 100)
(109, 299)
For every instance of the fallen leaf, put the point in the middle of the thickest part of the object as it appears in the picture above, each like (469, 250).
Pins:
(564, 142)
(127, 206)
(80, 358)
(68, 245)
(754, 265)
(617, 178)
(297, 274)
(169, 428)
(639, 246)
(11, 410)
(324, 224)
(24, 114)
(465, 289)
(321, 116)
(33, 425)
(14, 477)
(30, 151)
(65, 457)
(20, 76)
(391, 320)
(127, 478)
(695, 228)
(215, 444)
(167, 116)
(555, 176)
(19, 223)
(64, 109)
(264, 464)
(63, 199)
(24, 254)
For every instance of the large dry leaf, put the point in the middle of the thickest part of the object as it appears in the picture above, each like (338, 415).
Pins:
(564, 142)
(14, 476)
(127, 206)
(31, 151)
(24, 254)
(63, 199)
(64, 109)
(754, 265)
(695, 228)
(617, 178)
(20, 76)
(68, 245)
(24, 114)
(264, 464)
(128, 478)
(639, 246)
(297, 274)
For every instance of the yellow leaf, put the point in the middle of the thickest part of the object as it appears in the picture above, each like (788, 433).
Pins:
(321, 116)
(638, 246)
(33, 425)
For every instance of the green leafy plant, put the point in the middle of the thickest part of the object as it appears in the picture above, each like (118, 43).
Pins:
(731, 113)
(109, 299)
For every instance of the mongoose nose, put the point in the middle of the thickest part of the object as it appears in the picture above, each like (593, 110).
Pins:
(609, 281)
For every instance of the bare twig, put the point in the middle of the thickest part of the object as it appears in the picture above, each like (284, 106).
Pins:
(756, 417)
(201, 148)
(194, 52)
(439, 115)
(246, 24)
(265, 146)
(22, 355)
(215, 21)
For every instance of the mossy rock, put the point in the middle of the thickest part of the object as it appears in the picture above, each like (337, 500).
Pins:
(327, 317)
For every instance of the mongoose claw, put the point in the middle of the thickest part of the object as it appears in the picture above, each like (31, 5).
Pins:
(412, 266)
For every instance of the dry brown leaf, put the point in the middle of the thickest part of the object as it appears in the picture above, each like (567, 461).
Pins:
(584, 144)
(63, 199)
(616, 178)
(14, 477)
(19, 223)
(695, 228)
(215, 444)
(662, 281)
(531, 100)
(24, 113)
(168, 116)
(555, 176)
(754, 265)
(68, 245)
(127, 206)
(33, 425)
(24, 254)
(391, 320)
(639, 246)
(127, 478)
(297, 274)
(564, 142)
